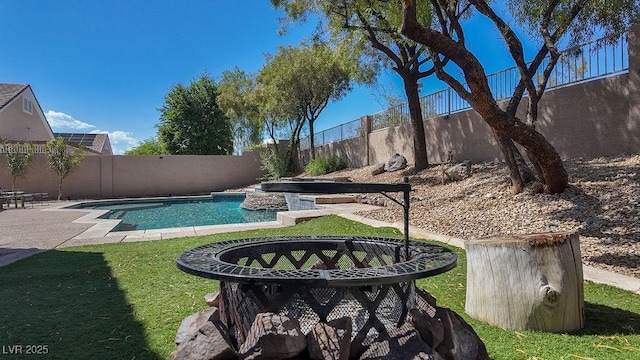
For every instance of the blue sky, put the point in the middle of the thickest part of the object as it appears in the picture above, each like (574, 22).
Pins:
(105, 66)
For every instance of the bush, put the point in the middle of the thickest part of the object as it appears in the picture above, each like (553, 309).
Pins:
(325, 165)
(273, 164)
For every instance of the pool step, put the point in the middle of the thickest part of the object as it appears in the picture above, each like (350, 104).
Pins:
(333, 199)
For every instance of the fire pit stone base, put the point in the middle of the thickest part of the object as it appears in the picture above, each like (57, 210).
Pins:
(430, 332)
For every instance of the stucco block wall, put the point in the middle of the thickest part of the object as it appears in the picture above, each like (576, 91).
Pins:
(590, 119)
(182, 174)
(384, 143)
(465, 134)
(587, 120)
(633, 120)
(351, 150)
(136, 176)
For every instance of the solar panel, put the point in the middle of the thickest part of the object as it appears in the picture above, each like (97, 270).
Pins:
(77, 139)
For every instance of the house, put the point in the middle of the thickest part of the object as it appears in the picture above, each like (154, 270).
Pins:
(98, 144)
(22, 119)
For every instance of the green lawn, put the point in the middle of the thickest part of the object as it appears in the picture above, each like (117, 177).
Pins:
(125, 301)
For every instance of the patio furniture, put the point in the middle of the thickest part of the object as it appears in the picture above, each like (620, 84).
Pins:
(4, 199)
(40, 198)
(27, 198)
(14, 196)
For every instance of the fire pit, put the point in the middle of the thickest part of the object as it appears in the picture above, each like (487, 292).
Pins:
(318, 278)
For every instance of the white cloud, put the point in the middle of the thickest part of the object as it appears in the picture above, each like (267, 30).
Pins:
(121, 141)
(60, 121)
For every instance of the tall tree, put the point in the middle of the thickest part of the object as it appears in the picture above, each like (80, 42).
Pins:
(192, 123)
(281, 113)
(63, 159)
(238, 101)
(377, 23)
(19, 158)
(550, 22)
(307, 77)
(152, 146)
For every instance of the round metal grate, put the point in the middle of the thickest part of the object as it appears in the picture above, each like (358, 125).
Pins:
(316, 260)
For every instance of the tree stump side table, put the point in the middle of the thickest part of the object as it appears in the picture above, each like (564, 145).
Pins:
(526, 282)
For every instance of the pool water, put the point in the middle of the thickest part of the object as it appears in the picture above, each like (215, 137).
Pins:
(145, 214)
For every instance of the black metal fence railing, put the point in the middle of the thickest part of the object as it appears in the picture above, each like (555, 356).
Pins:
(349, 130)
(596, 59)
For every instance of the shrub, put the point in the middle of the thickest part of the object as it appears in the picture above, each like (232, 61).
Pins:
(273, 164)
(19, 158)
(325, 165)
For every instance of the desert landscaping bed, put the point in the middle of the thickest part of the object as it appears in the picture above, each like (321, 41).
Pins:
(602, 203)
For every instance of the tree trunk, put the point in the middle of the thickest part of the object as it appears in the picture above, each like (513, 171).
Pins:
(60, 189)
(526, 282)
(517, 183)
(525, 171)
(519, 171)
(312, 141)
(415, 110)
(546, 161)
(542, 154)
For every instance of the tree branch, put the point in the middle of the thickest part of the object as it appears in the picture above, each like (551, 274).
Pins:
(480, 94)
(371, 35)
(515, 50)
(457, 86)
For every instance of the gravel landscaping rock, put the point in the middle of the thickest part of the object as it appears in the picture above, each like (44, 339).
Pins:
(602, 203)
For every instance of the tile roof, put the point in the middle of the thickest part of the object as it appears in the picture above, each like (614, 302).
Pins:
(9, 91)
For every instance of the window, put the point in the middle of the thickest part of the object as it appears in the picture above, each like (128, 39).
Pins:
(27, 105)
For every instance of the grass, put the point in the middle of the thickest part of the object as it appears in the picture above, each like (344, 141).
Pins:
(126, 301)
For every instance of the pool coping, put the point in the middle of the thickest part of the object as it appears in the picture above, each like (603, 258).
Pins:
(101, 228)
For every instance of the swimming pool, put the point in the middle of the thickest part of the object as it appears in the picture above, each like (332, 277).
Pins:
(160, 213)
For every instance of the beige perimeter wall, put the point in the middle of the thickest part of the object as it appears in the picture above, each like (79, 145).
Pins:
(136, 176)
(584, 120)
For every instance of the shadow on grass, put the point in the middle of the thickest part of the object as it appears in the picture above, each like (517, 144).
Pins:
(607, 321)
(70, 303)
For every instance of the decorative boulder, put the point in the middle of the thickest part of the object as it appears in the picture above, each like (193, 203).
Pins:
(459, 171)
(209, 342)
(330, 340)
(448, 333)
(212, 299)
(193, 322)
(273, 336)
(397, 162)
(445, 331)
(404, 343)
(377, 169)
